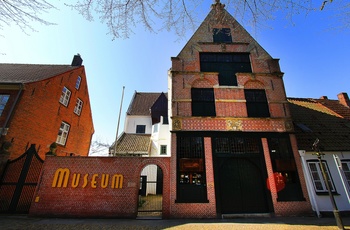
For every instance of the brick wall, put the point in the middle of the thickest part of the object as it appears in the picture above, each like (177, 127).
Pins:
(38, 116)
(88, 201)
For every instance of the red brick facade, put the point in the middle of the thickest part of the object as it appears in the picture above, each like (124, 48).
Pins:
(34, 114)
(95, 198)
(231, 115)
(262, 146)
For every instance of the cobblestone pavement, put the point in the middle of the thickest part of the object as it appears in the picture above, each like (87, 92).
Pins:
(276, 223)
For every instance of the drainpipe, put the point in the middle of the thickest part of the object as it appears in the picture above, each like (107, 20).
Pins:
(21, 87)
(336, 213)
(308, 183)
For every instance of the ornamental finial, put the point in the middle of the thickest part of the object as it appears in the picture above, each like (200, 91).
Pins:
(219, 15)
(218, 5)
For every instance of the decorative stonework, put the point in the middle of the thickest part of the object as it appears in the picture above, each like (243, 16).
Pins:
(234, 125)
(177, 124)
(219, 12)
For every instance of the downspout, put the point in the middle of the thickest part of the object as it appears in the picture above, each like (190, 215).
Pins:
(21, 87)
(308, 183)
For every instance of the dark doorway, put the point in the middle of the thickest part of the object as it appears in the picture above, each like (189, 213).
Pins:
(240, 176)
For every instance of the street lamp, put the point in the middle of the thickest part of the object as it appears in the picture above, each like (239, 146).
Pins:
(319, 154)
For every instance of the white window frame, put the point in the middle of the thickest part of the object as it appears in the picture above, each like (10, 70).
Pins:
(317, 177)
(78, 106)
(346, 170)
(63, 133)
(65, 96)
(3, 101)
(161, 148)
(77, 83)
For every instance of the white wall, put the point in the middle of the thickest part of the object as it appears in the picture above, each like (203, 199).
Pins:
(151, 172)
(132, 121)
(323, 203)
(161, 137)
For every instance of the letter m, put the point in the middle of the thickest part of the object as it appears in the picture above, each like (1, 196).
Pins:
(117, 181)
(61, 178)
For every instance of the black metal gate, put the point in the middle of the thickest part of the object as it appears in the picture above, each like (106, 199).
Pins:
(240, 176)
(150, 203)
(18, 182)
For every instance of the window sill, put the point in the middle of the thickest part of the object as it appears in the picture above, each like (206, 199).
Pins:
(326, 193)
(188, 202)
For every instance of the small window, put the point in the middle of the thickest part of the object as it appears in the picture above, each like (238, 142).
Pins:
(140, 128)
(64, 99)
(3, 101)
(77, 83)
(222, 35)
(317, 178)
(257, 105)
(203, 102)
(163, 149)
(63, 133)
(78, 106)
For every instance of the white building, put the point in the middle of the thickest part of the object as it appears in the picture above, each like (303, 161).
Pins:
(329, 122)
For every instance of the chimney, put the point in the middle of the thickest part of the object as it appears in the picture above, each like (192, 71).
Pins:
(324, 97)
(344, 99)
(77, 61)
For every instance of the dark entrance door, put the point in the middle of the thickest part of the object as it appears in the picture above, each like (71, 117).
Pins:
(240, 177)
(19, 180)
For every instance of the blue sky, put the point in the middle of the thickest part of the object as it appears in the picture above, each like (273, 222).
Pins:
(313, 57)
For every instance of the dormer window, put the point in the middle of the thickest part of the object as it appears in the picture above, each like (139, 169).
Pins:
(222, 35)
(77, 83)
(140, 128)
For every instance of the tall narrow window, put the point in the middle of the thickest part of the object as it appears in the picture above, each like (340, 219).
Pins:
(64, 99)
(77, 83)
(317, 178)
(140, 128)
(203, 102)
(3, 101)
(222, 35)
(191, 181)
(257, 105)
(227, 64)
(283, 162)
(346, 169)
(63, 133)
(78, 107)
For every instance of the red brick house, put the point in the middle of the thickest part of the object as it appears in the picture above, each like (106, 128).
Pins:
(43, 104)
(233, 150)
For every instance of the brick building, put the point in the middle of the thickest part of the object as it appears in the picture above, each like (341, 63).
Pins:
(42, 104)
(233, 150)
